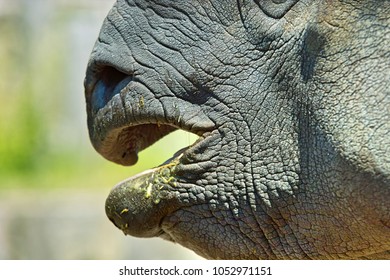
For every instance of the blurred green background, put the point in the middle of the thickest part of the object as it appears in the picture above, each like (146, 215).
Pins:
(52, 183)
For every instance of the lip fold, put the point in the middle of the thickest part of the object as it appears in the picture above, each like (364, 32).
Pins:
(125, 116)
(116, 134)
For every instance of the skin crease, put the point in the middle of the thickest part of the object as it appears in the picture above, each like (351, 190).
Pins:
(292, 106)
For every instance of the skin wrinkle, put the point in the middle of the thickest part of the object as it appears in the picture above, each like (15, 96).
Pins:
(279, 227)
(239, 6)
(164, 45)
(305, 129)
(232, 207)
(123, 102)
(189, 18)
(172, 69)
(250, 189)
(183, 29)
(222, 60)
(291, 245)
(113, 24)
(253, 240)
(160, 57)
(340, 119)
(102, 42)
(227, 18)
(182, 77)
(159, 27)
(355, 63)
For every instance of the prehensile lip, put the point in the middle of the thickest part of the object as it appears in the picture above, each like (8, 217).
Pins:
(125, 117)
(138, 204)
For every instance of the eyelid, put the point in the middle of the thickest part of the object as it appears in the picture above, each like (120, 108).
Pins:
(275, 8)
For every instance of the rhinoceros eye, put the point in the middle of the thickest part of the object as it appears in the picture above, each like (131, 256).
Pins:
(276, 8)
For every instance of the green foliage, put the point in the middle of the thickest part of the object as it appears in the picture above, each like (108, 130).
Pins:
(21, 126)
(21, 138)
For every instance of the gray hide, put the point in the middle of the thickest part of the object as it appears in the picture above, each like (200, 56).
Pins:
(291, 102)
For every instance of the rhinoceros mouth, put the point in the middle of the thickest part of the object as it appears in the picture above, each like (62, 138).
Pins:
(125, 117)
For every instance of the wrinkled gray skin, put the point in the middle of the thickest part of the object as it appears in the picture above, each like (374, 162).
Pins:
(291, 101)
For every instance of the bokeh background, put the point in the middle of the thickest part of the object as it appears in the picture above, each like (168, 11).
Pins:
(53, 184)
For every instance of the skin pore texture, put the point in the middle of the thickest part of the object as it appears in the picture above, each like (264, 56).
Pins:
(291, 103)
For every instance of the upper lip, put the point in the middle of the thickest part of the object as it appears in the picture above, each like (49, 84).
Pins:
(119, 135)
